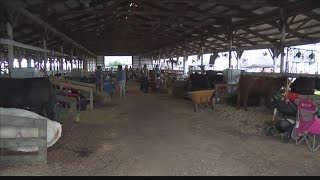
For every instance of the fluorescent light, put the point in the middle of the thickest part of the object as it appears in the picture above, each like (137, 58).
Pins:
(131, 4)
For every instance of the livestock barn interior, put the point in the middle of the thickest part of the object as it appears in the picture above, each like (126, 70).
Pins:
(62, 115)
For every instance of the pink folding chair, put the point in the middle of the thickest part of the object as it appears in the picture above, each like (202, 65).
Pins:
(307, 125)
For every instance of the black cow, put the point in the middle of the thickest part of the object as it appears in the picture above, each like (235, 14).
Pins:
(214, 78)
(304, 86)
(317, 83)
(198, 82)
(34, 94)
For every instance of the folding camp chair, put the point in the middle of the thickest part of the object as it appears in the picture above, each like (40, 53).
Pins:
(307, 124)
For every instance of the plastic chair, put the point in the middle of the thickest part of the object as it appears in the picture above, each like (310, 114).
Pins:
(307, 124)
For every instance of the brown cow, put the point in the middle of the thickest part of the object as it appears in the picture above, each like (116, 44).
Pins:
(258, 86)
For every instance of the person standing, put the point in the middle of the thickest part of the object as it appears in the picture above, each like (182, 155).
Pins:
(157, 76)
(98, 79)
(131, 72)
(127, 72)
(121, 81)
(144, 79)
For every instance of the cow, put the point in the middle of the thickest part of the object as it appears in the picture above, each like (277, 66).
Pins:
(214, 78)
(305, 85)
(258, 86)
(198, 82)
(317, 83)
(34, 94)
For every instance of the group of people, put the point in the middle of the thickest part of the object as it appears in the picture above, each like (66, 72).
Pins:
(123, 75)
(145, 78)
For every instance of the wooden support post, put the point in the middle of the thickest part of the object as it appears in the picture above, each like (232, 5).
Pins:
(283, 22)
(10, 47)
(85, 67)
(185, 59)
(201, 51)
(152, 61)
(1, 61)
(171, 63)
(66, 62)
(29, 62)
(239, 55)
(230, 39)
(275, 55)
(19, 56)
(45, 54)
(50, 62)
(61, 60)
(71, 60)
(37, 60)
(230, 53)
(164, 59)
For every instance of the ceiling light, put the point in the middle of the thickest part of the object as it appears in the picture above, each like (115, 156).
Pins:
(131, 4)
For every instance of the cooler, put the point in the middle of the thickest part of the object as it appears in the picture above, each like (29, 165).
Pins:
(108, 88)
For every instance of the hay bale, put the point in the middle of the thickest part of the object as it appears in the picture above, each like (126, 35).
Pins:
(249, 122)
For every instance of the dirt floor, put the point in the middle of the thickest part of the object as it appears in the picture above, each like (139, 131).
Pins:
(150, 134)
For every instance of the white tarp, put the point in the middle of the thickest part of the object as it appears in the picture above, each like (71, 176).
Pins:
(54, 128)
(260, 62)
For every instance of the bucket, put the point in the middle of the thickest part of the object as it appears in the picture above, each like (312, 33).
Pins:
(77, 117)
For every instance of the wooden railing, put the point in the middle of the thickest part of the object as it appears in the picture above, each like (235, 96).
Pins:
(62, 85)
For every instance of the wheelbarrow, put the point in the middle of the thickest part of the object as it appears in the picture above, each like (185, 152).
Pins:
(202, 99)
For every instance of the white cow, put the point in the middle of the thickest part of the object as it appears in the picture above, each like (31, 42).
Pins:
(54, 128)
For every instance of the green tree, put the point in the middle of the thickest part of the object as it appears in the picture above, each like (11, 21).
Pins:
(114, 63)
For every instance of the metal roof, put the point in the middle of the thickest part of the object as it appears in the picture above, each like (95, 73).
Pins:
(168, 27)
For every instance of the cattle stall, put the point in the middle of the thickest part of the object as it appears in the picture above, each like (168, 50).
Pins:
(40, 141)
(85, 89)
(155, 133)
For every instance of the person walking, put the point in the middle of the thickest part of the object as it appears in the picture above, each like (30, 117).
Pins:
(157, 76)
(98, 79)
(144, 79)
(121, 81)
